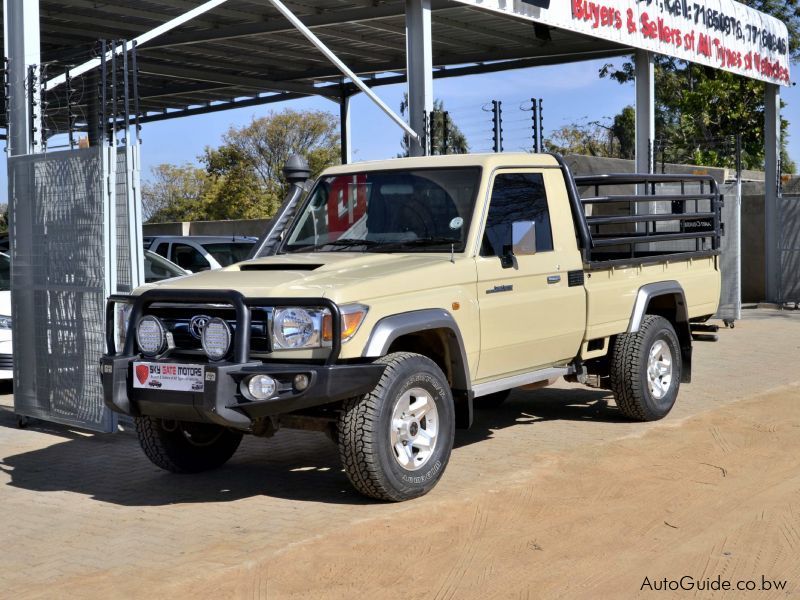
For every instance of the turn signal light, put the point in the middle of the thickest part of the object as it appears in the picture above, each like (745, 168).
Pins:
(352, 317)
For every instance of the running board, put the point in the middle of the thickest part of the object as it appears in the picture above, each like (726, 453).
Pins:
(508, 383)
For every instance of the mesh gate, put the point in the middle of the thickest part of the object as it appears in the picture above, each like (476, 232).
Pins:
(730, 302)
(60, 280)
(75, 240)
(789, 210)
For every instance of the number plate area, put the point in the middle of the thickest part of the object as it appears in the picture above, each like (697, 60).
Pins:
(169, 377)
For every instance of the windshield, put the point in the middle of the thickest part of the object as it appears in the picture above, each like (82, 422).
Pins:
(158, 268)
(425, 210)
(228, 253)
(5, 273)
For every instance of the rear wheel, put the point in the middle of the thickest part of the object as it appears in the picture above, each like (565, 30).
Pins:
(646, 370)
(395, 442)
(185, 447)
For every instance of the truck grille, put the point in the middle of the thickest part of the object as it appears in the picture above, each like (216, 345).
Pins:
(178, 320)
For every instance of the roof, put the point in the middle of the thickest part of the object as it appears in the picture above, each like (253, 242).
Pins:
(487, 161)
(244, 52)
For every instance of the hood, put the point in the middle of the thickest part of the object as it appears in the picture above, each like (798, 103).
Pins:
(341, 276)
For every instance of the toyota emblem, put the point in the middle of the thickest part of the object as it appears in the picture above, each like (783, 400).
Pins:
(197, 324)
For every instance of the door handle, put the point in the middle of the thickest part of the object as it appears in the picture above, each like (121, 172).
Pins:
(553, 279)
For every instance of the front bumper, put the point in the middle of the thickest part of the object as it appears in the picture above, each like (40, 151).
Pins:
(221, 401)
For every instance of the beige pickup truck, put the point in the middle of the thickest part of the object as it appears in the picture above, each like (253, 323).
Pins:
(405, 292)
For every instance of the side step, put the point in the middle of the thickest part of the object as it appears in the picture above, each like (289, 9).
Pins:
(515, 381)
(704, 332)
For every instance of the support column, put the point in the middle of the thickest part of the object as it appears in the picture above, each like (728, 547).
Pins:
(21, 28)
(419, 62)
(772, 226)
(344, 124)
(645, 111)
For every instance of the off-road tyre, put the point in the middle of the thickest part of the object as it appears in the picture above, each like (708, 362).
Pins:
(364, 427)
(629, 370)
(183, 447)
(491, 401)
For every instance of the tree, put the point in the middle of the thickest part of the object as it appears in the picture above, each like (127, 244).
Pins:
(267, 143)
(175, 193)
(454, 143)
(607, 138)
(624, 130)
(237, 192)
(699, 110)
(243, 178)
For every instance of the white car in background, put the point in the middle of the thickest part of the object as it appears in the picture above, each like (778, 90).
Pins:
(197, 253)
(6, 365)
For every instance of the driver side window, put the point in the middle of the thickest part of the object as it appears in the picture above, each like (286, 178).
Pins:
(516, 197)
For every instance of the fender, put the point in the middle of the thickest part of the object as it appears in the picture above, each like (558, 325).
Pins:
(388, 329)
(666, 288)
(653, 290)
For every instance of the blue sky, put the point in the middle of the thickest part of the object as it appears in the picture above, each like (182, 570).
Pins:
(571, 93)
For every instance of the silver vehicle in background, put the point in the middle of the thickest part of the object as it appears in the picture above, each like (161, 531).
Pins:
(197, 253)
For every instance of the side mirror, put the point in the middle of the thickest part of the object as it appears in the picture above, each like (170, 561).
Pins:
(523, 238)
(523, 243)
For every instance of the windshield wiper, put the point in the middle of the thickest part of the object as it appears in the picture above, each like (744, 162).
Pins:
(349, 243)
(423, 241)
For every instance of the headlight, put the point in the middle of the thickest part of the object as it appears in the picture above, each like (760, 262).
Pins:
(151, 336)
(304, 328)
(295, 328)
(5, 322)
(216, 338)
(122, 315)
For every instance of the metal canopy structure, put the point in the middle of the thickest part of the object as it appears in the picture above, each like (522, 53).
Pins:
(197, 56)
(245, 52)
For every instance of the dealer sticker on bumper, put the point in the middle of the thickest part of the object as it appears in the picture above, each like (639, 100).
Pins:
(169, 377)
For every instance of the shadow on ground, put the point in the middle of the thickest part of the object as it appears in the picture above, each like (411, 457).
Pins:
(294, 465)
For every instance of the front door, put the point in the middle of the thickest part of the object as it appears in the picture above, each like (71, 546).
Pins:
(530, 316)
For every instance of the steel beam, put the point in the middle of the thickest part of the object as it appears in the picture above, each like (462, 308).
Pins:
(772, 224)
(21, 29)
(345, 70)
(419, 58)
(645, 111)
(345, 124)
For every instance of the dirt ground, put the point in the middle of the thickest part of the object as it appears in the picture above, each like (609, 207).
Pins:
(552, 496)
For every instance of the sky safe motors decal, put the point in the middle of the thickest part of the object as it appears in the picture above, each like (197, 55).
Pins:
(169, 377)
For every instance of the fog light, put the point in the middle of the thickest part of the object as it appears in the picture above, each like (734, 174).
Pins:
(300, 382)
(216, 338)
(151, 336)
(261, 387)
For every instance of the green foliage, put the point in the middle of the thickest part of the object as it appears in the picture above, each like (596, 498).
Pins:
(454, 143)
(242, 178)
(175, 193)
(700, 110)
(607, 138)
(624, 130)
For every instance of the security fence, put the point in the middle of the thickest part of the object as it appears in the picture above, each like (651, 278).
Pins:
(789, 211)
(60, 279)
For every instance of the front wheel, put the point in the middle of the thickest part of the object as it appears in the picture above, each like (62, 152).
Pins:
(646, 370)
(185, 447)
(395, 442)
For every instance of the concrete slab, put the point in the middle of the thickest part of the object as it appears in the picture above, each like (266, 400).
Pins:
(89, 514)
